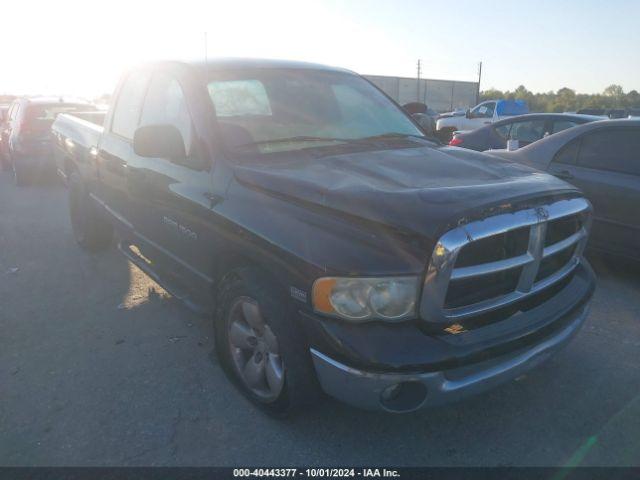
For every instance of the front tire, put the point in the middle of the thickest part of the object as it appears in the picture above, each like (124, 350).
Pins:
(91, 229)
(262, 349)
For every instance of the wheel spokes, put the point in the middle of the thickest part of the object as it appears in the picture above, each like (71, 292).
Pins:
(270, 340)
(254, 371)
(252, 315)
(242, 336)
(274, 373)
(255, 350)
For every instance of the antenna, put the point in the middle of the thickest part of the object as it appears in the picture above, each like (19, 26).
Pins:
(205, 47)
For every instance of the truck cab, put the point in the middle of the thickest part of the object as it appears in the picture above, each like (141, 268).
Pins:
(334, 247)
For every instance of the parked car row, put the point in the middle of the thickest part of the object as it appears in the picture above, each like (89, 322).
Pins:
(613, 113)
(523, 129)
(25, 135)
(600, 156)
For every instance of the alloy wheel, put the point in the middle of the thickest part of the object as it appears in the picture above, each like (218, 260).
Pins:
(254, 350)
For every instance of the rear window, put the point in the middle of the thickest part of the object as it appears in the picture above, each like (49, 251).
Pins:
(126, 113)
(503, 131)
(560, 125)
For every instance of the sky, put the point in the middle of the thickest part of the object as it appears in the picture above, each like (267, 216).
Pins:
(81, 47)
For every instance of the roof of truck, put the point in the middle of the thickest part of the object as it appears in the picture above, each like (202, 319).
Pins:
(241, 63)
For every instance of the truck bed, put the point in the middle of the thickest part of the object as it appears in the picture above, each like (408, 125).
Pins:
(75, 135)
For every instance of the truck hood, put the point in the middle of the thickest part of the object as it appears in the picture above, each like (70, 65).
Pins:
(422, 190)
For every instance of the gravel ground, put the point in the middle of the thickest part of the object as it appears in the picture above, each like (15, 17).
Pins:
(100, 366)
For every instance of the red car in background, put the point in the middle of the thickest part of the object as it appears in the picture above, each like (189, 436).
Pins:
(26, 134)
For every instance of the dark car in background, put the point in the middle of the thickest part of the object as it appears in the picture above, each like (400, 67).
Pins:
(425, 116)
(26, 135)
(613, 113)
(525, 129)
(603, 160)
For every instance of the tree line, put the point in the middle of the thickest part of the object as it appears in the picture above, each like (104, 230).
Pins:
(567, 100)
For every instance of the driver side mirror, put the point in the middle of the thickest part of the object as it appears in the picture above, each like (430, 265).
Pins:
(159, 141)
(468, 113)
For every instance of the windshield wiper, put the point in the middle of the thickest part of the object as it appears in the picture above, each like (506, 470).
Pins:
(383, 136)
(299, 138)
(311, 138)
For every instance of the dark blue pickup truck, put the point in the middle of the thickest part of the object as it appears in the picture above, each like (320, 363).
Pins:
(335, 246)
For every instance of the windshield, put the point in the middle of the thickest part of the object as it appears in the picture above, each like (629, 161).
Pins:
(275, 110)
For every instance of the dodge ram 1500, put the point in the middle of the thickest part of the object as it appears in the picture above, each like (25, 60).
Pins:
(335, 247)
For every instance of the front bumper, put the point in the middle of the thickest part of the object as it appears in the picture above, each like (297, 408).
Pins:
(376, 391)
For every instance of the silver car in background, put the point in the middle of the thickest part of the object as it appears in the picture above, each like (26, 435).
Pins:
(602, 159)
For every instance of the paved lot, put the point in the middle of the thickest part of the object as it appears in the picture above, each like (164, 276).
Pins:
(99, 366)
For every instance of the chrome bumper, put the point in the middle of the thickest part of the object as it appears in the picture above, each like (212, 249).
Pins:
(375, 391)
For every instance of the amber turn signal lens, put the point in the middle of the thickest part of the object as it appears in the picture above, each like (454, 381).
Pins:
(322, 289)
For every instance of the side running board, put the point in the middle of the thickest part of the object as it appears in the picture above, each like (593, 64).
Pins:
(170, 285)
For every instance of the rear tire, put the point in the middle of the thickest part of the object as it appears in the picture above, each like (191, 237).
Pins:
(248, 299)
(91, 229)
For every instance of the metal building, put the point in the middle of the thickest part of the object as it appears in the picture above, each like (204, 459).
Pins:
(440, 95)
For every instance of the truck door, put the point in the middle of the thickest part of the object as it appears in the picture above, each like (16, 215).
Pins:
(115, 150)
(172, 201)
(479, 116)
(605, 164)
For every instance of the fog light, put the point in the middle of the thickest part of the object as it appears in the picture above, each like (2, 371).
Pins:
(403, 397)
(390, 392)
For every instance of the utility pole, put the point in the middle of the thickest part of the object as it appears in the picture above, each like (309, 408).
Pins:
(205, 47)
(479, 79)
(418, 82)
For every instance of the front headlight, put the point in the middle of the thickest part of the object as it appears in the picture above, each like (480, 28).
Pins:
(362, 299)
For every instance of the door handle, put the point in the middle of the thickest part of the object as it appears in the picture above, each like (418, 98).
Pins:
(565, 175)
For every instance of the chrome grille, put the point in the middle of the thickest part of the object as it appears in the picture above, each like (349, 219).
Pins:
(555, 237)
